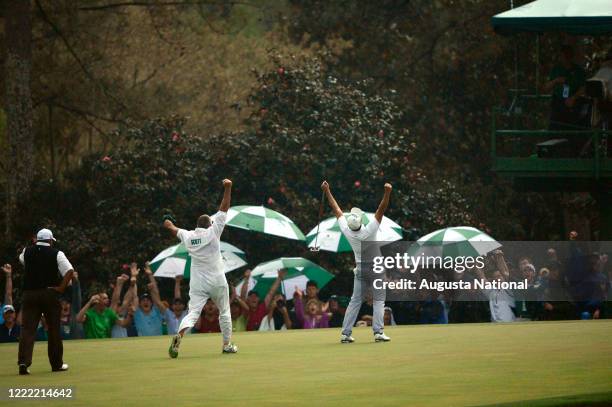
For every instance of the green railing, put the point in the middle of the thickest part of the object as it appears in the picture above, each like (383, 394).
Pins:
(514, 152)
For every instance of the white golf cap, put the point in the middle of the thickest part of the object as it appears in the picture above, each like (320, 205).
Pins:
(8, 308)
(44, 234)
(354, 219)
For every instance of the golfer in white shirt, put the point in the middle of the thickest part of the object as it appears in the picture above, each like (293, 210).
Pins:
(207, 279)
(352, 228)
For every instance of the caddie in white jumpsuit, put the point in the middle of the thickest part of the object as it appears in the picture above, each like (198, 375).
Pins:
(207, 280)
(354, 231)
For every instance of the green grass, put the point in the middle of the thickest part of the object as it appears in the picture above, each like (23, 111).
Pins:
(564, 363)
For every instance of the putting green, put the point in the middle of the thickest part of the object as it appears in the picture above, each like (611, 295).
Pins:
(543, 363)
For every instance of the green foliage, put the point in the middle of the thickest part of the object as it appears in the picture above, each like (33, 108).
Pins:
(448, 69)
(306, 126)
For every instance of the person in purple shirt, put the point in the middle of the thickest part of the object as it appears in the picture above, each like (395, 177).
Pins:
(311, 316)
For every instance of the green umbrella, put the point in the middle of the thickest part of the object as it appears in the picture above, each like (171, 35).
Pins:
(299, 272)
(454, 242)
(330, 237)
(579, 17)
(175, 260)
(263, 220)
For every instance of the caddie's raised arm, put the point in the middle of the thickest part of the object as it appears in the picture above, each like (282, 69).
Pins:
(384, 203)
(227, 195)
(169, 224)
(332, 201)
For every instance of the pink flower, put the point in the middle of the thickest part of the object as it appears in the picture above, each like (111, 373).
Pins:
(175, 137)
(357, 184)
(106, 159)
(281, 71)
(270, 201)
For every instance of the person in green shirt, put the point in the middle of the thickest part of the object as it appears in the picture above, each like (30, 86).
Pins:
(566, 83)
(239, 310)
(239, 322)
(98, 318)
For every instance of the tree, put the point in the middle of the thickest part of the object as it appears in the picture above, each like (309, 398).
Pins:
(306, 126)
(19, 163)
(449, 70)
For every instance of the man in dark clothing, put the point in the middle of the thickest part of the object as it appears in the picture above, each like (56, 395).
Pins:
(566, 83)
(47, 274)
(336, 316)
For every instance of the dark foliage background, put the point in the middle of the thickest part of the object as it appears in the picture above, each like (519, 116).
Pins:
(141, 108)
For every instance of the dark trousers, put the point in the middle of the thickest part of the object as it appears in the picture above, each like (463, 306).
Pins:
(35, 303)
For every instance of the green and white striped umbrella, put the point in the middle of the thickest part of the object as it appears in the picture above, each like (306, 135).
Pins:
(299, 272)
(331, 238)
(175, 260)
(455, 242)
(263, 220)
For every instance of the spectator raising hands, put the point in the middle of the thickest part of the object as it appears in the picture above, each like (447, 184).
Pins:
(122, 308)
(311, 316)
(257, 309)
(9, 326)
(98, 318)
(239, 311)
(277, 317)
(7, 269)
(148, 316)
(175, 315)
(501, 302)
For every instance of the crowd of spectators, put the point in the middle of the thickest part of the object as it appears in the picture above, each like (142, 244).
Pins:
(576, 288)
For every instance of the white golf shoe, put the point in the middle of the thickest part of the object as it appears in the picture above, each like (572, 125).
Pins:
(347, 339)
(381, 337)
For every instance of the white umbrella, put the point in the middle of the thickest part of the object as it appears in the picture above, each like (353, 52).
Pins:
(330, 237)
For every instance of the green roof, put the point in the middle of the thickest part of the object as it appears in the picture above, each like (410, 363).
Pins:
(579, 17)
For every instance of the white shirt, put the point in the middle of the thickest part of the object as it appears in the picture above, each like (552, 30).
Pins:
(355, 238)
(501, 303)
(118, 331)
(204, 248)
(63, 265)
(267, 324)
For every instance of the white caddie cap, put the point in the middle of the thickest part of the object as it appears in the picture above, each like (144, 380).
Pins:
(354, 219)
(44, 234)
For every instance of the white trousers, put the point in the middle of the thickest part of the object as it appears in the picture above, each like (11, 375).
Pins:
(197, 299)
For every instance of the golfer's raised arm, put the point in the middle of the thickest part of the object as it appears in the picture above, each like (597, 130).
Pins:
(384, 204)
(227, 195)
(332, 201)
